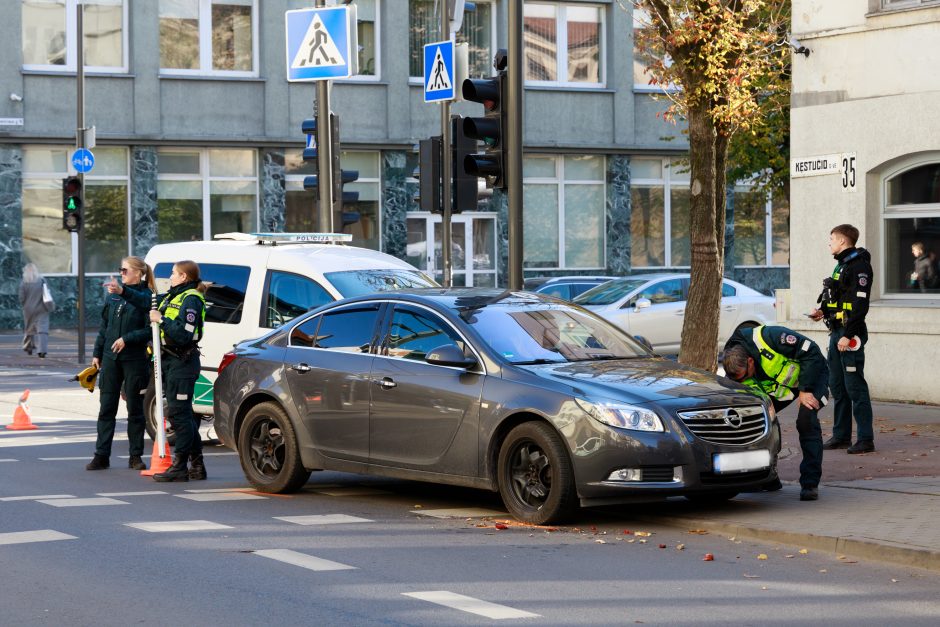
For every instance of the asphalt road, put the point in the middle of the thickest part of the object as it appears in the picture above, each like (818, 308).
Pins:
(114, 548)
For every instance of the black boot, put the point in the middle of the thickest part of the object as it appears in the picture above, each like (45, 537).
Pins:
(197, 467)
(176, 472)
(99, 462)
(136, 463)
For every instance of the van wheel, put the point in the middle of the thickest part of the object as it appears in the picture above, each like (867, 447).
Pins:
(150, 416)
(267, 449)
(536, 481)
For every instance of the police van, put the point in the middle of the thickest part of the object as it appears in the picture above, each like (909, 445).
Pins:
(259, 281)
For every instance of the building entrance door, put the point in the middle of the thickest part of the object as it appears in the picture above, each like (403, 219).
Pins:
(473, 251)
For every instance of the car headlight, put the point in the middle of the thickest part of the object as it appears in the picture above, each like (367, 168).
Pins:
(622, 416)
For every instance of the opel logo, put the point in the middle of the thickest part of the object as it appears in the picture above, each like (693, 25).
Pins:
(733, 419)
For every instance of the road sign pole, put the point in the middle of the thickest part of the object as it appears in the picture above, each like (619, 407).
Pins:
(447, 171)
(80, 139)
(513, 167)
(324, 157)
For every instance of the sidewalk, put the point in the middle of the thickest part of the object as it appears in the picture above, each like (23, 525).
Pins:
(880, 506)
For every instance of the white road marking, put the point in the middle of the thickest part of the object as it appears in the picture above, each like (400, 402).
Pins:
(352, 491)
(221, 496)
(63, 459)
(9, 460)
(211, 490)
(36, 498)
(42, 440)
(300, 559)
(469, 604)
(228, 454)
(323, 519)
(466, 512)
(145, 493)
(178, 525)
(40, 535)
(88, 502)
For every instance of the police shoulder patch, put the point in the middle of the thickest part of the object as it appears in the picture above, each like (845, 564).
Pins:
(862, 281)
(790, 339)
(190, 317)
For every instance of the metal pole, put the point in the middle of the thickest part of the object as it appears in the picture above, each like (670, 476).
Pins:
(324, 153)
(159, 419)
(447, 170)
(80, 140)
(513, 167)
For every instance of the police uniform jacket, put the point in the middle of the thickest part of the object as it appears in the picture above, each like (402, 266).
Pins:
(127, 319)
(854, 288)
(179, 333)
(791, 345)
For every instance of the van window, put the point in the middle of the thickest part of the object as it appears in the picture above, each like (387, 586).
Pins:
(225, 298)
(290, 295)
(360, 282)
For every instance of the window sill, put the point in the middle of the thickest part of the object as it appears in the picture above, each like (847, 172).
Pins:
(930, 301)
(212, 77)
(71, 74)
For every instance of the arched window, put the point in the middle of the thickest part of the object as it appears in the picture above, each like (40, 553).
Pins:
(912, 230)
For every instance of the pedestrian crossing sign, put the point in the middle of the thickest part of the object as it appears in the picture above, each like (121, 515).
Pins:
(322, 43)
(439, 76)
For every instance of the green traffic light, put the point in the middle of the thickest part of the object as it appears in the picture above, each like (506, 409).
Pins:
(71, 206)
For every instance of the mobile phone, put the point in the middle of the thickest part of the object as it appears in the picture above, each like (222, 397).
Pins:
(808, 315)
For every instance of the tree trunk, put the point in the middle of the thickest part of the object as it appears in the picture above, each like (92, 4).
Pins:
(700, 328)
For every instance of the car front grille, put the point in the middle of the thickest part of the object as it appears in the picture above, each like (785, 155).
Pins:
(736, 426)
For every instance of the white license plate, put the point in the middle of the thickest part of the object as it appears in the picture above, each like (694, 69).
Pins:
(741, 462)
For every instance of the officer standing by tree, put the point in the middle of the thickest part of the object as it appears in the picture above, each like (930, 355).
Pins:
(843, 305)
(181, 315)
(782, 366)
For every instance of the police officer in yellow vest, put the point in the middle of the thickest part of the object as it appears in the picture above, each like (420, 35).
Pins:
(181, 314)
(782, 366)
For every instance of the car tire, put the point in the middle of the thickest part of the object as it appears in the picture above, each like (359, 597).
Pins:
(536, 481)
(150, 417)
(711, 497)
(267, 449)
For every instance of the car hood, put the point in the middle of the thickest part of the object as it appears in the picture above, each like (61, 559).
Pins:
(641, 380)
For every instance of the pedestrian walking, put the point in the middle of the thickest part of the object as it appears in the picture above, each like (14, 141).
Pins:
(37, 304)
(181, 315)
(120, 354)
(843, 305)
(783, 366)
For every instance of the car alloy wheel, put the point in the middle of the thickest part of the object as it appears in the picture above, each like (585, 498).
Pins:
(536, 481)
(267, 449)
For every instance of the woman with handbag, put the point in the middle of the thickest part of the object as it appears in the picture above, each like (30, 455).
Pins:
(37, 303)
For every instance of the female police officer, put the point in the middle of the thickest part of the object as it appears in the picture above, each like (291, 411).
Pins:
(181, 315)
(121, 356)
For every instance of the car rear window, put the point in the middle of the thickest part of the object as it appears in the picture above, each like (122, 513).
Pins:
(361, 282)
(225, 297)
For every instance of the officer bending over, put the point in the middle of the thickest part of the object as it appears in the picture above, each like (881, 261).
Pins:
(782, 366)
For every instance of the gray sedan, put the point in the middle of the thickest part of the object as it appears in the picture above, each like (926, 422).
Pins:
(507, 391)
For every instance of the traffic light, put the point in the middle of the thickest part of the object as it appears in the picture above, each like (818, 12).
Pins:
(465, 185)
(72, 204)
(491, 129)
(429, 174)
(350, 216)
(340, 176)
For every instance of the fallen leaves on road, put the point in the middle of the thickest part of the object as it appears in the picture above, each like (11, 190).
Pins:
(762, 556)
(708, 558)
(680, 547)
(804, 551)
(823, 570)
(643, 534)
(627, 532)
(501, 526)
(751, 576)
(700, 532)
(662, 546)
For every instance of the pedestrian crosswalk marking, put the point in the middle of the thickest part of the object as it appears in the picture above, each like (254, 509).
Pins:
(469, 604)
(466, 512)
(439, 77)
(323, 519)
(37, 497)
(89, 502)
(210, 490)
(178, 525)
(143, 493)
(221, 496)
(9, 460)
(301, 559)
(317, 48)
(40, 535)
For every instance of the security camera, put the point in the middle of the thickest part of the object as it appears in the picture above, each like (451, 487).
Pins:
(16, 97)
(799, 48)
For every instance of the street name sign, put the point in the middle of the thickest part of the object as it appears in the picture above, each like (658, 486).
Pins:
(322, 43)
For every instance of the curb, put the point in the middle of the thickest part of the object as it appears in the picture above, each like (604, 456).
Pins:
(866, 548)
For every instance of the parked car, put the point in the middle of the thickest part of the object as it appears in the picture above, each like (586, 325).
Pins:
(258, 282)
(567, 287)
(652, 306)
(542, 401)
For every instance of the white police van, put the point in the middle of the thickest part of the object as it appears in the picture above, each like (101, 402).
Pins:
(259, 281)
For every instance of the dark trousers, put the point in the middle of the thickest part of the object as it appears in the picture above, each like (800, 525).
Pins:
(179, 381)
(849, 390)
(807, 426)
(134, 377)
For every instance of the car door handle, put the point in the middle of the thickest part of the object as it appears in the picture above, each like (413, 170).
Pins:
(301, 368)
(386, 383)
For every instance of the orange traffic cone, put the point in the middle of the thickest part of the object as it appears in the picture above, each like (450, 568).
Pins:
(157, 463)
(21, 420)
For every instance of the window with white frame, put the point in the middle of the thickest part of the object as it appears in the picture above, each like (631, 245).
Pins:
(301, 207)
(105, 212)
(906, 4)
(201, 193)
(48, 28)
(565, 217)
(761, 228)
(644, 58)
(367, 29)
(911, 218)
(564, 44)
(208, 37)
(477, 30)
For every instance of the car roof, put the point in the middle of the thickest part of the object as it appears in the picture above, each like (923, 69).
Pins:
(460, 297)
(577, 279)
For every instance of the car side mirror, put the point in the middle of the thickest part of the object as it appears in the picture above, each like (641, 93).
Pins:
(642, 303)
(449, 355)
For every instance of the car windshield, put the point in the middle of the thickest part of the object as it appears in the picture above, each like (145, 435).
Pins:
(610, 292)
(550, 333)
(360, 282)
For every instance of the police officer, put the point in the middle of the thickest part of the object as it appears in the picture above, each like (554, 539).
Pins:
(181, 314)
(121, 356)
(782, 366)
(843, 305)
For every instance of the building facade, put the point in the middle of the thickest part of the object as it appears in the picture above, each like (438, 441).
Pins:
(866, 97)
(198, 133)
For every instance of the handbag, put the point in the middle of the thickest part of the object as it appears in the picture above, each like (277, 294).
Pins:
(47, 299)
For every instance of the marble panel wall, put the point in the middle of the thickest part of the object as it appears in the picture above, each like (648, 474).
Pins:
(11, 229)
(398, 198)
(273, 201)
(143, 199)
(619, 214)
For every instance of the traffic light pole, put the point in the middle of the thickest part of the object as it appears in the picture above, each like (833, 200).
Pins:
(447, 169)
(80, 140)
(513, 167)
(324, 153)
